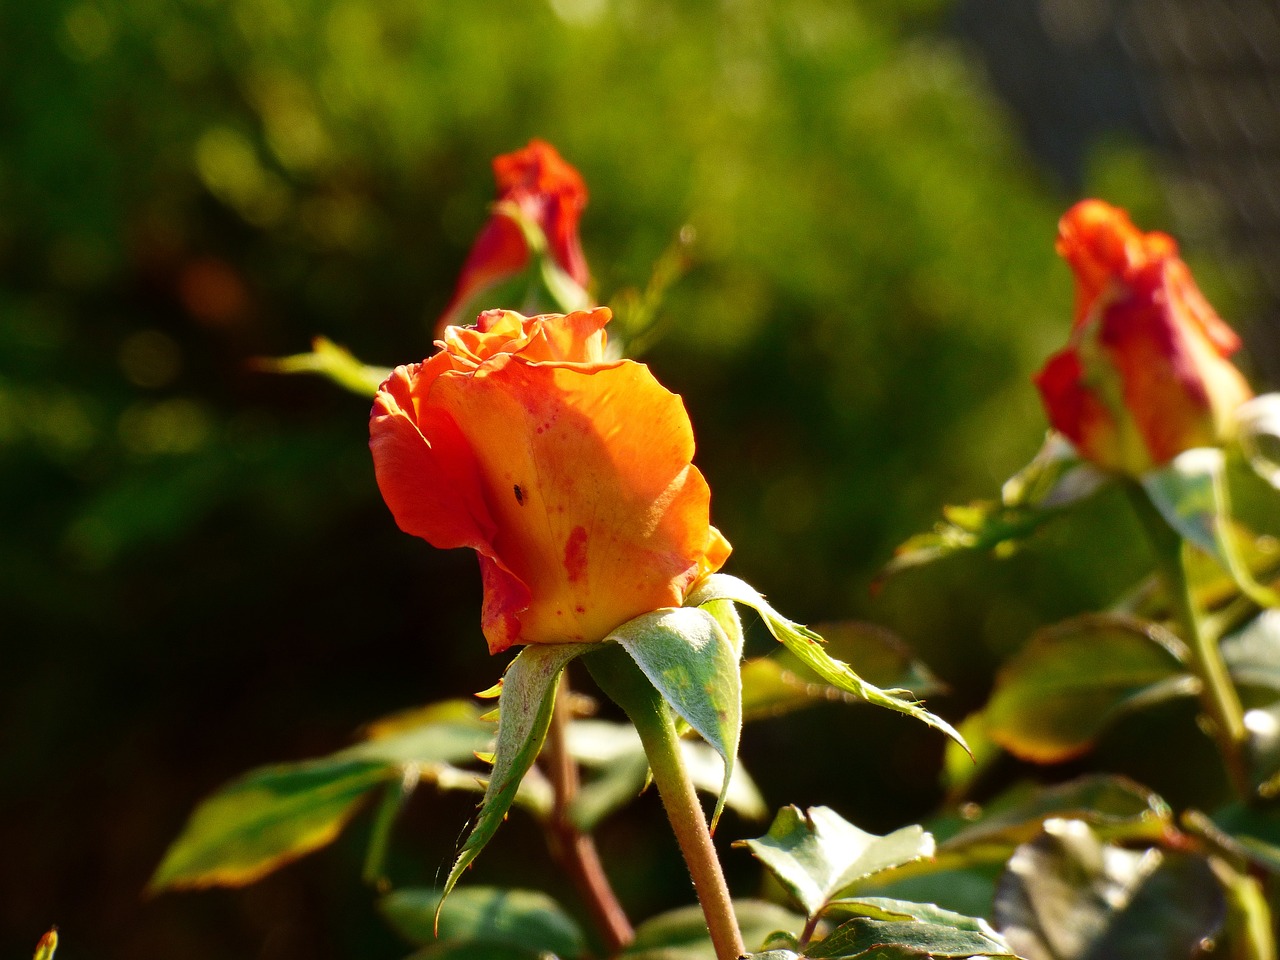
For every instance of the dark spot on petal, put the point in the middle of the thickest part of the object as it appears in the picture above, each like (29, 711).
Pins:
(575, 553)
(580, 608)
(519, 495)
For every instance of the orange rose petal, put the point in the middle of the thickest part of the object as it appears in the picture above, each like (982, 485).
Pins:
(588, 474)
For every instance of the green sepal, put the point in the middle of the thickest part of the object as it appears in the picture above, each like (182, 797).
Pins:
(684, 653)
(817, 854)
(525, 705)
(327, 359)
(1054, 699)
(807, 647)
(494, 916)
(1192, 494)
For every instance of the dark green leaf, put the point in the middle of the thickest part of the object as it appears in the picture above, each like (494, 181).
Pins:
(817, 854)
(689, 660)
(475, 951)
(265, 819)
(525, 704)
(907, 940)
(1069, 896)
(681, 934)
(527, 919)
(807, 647)
(1061, 691)
(390, 803)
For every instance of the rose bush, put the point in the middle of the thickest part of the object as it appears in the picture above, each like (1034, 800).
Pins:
(1146, 374)
(534, 183)
(568, 474)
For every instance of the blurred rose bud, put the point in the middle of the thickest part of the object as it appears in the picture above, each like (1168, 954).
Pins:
(1145, 375)
(570, 475)
(536, 189)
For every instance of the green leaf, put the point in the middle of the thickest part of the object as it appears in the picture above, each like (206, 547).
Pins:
(614, 749)
(528, 919)
(1056, 478)
(807, 647)
(1258, 430)
(47, 945)
(961, 768)
(1191, 493)
(927, 932)
(455, 950)
(1252, 653)
(1118, 808)
(327, 359)
(390, 804)
(817, 854)
(525, 704)
(1069, 896)
(681, 934)
(265, 819)
(689, 660)
(1053, 700)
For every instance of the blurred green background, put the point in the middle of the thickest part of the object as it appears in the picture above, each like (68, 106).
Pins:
(197, 574)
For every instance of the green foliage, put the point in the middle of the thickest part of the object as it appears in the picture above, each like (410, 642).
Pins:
(817, 854)
(492, 917)
(525, 705)
(689, 660)
(896, 930)
(681, 934)
(1070, 896)
(1072, 680)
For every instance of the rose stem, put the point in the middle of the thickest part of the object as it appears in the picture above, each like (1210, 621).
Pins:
(623, 682)
(1218, 695)
(572, 849)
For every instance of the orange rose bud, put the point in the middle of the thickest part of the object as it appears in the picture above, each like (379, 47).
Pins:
(548, 192)
(570, 475)
(1146, 374)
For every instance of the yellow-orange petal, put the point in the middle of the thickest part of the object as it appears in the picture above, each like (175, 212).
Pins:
(597, 507)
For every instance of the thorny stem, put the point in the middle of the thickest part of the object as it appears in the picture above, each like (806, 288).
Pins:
(622, 681)
(572, 849)
(1218, 696)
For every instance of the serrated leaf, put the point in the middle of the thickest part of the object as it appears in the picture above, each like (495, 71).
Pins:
(526, 702)
(1069, 896)
(1056, 478)
(816, 854)
(1191, 493)
(689, 660)
(909, 939)
(1071, 680)
(681, 934)
(265, 819)
(807, 647)
(528, 919)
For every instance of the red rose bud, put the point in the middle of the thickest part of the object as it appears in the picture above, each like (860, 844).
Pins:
(1145, 375)
(569, 474)
(537, 186)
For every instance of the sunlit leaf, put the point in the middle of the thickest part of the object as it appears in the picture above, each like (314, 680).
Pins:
(1252, 653)
(1071, 680)
(329, 360)
(526, 702)
(689, 660)
(1191, 493)
(816, 854)
(899, 930)
(266, 819)
(528, 919)
(1069, 896)
(681, 934)
(807, 647)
